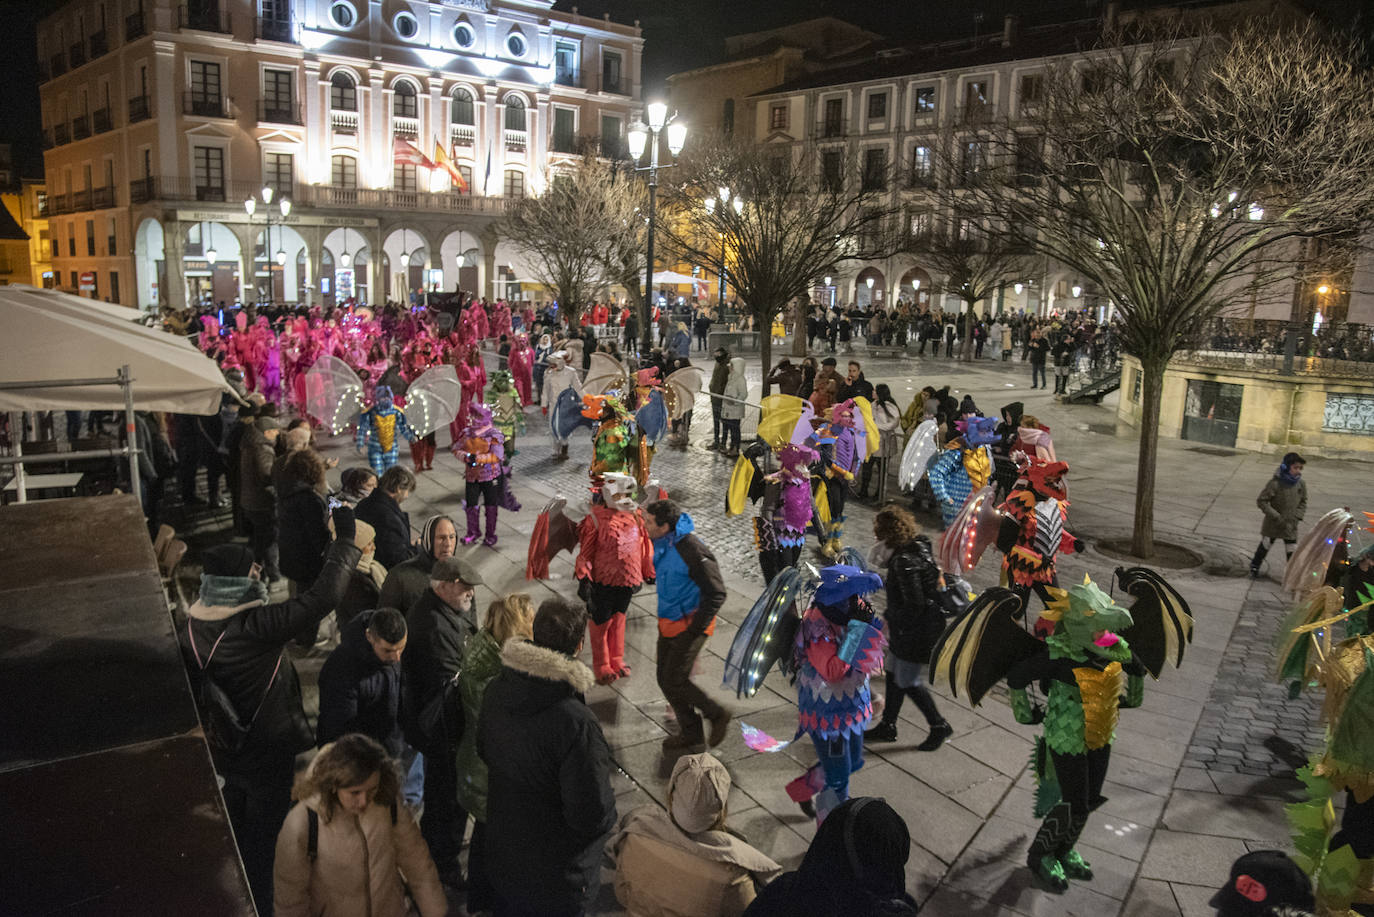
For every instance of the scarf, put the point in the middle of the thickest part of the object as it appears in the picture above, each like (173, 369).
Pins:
(368, 566)
(231, 591)
(1286, 477)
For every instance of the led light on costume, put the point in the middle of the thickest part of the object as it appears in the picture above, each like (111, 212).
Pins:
(964, 467)
(380, 429)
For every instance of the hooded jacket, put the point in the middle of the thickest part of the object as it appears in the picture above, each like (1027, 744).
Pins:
(254, 639)
(358, 866)
(255, 472)
(736, 388)
(913, 615)
(359, 692)
(380, 510)
(549, 800)
(720, 372)
(690, 588)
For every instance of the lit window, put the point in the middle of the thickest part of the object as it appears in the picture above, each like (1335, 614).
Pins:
(925, 102)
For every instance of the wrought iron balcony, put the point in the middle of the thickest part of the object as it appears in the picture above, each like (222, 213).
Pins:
(81, 127)
(203, 105)
(278, 112)
(204, 17)
(100, 120)
(134, 26)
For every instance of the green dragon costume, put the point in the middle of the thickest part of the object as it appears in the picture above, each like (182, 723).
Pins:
(1092, 664)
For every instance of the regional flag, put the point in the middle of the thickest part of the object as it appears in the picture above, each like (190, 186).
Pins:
(443, 161)
(403, 151)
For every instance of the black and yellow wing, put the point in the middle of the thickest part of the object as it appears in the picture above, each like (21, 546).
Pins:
(980, 646)
(1163, 625)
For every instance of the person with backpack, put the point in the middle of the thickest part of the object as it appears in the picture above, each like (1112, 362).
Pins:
(234, 645)
(349, 848)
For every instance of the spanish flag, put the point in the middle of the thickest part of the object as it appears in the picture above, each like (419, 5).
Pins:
(443, 161)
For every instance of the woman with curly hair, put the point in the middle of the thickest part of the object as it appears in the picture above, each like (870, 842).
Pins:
(915, 620)
(349, 847)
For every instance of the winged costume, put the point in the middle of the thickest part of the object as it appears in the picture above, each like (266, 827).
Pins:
(614, 557)
(1033, 530)
(381, 428)
(480, 446)
(964, 467)
(844, 442)
(1090, 666)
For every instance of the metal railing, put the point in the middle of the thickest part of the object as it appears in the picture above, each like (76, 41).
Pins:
(98, 44)
(203, 105)
(283, 30)
(101, 121)
(134, 26)
(390, 199)
(204, 18)
(76, 54)
(142, 190)
(81, 200)
(124, 379)
(61, 134)
(57, 64)
(1261, 345)
(139, 109)
(277, 112)
(102, 198)
(81, 127)
(564, 78)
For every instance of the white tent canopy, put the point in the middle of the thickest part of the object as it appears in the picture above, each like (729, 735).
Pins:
(673, 277)
(52, 337)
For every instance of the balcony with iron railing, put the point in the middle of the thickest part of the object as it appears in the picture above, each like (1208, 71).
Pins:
(402, 126)
(464, 135)
(76, 54)
(275, 111)
(58, 204)
(620, 87)
(203, 105)
(572, 79)
(516, 141)
(155, 188)
(98, 44)
(830, 130)
(139, 109)
(100, 121)
(81, 127)
(102, 198)
(374, 199)
(283, 30)
(344, 122)
(47, 140)
(134, 26)
(204, 17)
(61, 134)
(81, 200)
(57, 64)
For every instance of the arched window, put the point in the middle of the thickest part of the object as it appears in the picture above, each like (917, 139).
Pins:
(461, 110)
(343, 92)
(515, 113)
(405, 104)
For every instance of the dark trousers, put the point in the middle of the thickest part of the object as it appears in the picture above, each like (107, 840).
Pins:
(487, 492)
(1038, 372)
(262, 529)
(920, 695)
(257, 803)
(481, 895)
(715, 422)
(729, 433)
(1265, 544)
(676, 656)
(701, 340)
(444, 818)
(949, 347)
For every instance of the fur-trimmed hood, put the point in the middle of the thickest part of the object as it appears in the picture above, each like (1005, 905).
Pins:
(547, 665)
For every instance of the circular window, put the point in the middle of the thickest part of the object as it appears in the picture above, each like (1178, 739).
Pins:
(516, 45)
(405, 25)
(463, 35)
(342, 14)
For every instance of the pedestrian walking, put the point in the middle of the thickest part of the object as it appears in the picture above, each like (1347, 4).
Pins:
(1064, 352)
(720, 373)
(349, 848)
(690, 593)
(550, 805)
(1038, 349)
(1284, 503)
(915, 621)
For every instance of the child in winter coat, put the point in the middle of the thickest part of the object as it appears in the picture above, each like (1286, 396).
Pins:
(1283, 502)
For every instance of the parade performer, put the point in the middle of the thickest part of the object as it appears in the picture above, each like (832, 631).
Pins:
(1033, 530)
(541, 366)
(1091, 665)
(481, 448)
(838, 646)
(521, 363)
(380, 428)
(614, 558)
(501, 320)
(964, 466)
(794, 508)
(507, 413)
(842, 443)
(419, 354)
(611, 440)
(559, 378)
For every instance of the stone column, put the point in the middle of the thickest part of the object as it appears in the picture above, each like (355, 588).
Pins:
(316, 125)
(173, 247)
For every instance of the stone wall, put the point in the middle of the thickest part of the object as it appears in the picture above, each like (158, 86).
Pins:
(1278, 413)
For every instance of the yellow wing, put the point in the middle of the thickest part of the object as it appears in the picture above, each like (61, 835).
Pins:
(870, 428)
(822, 502)
(778, 418)
(737, 495)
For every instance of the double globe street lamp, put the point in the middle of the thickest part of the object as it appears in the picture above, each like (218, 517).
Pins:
(737, 202)
(283, 205)
(641, 135)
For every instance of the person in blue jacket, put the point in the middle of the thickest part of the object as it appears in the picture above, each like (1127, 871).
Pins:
(690, 592)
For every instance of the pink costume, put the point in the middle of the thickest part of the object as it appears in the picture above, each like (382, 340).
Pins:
(521, 363)
(500, 323)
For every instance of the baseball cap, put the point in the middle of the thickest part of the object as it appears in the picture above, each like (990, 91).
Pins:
(1260, 882)
(455, 568)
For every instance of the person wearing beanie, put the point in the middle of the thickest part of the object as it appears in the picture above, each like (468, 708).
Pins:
(1283, 502)
(365, 583)
(550, 805)
(1265, 883)
(236, 638)
(408, 580)
(685, 861)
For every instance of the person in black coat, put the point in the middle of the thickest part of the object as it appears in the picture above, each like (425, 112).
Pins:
(915, 621)
(360, 683)
(235, 635)
(855, 867)
(381, 509)
(302, 518)
(550, 805)
(438, 628)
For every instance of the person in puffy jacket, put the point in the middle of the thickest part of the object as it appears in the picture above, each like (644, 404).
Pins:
(732, 407)
(1283, 502)
(240, 640)
(915, 622)
(550, 805)
(366, 852)
(360, 683)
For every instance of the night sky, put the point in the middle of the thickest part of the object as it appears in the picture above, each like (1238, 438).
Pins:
(679, 35)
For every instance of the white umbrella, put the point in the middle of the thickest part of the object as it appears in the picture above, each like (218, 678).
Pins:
(674, 278)
(56, 337)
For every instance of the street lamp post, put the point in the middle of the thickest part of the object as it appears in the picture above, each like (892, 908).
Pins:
(639, 136)
(723, 194)
(284, 206)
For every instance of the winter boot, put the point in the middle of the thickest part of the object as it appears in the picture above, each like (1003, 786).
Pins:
(938, 733)
(615, 645)
(1042, 856)
(885, 731)
(601, 661)
(474, 525)
(1075, 867)
(490, 540)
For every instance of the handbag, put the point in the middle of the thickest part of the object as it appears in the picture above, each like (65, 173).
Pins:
(224, 729)
(440, 722)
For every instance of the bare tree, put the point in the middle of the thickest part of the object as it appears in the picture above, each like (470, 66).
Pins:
(800, 218)
(572, 231)
(1165, 167)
